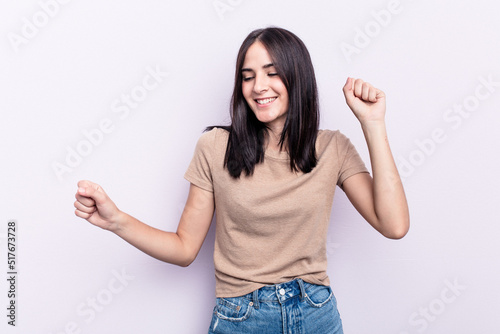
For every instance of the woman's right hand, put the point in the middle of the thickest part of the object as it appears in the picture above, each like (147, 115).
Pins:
(94, 205)
(178, 248)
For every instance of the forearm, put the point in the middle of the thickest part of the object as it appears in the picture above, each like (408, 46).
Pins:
(390, 203)
(162, 245)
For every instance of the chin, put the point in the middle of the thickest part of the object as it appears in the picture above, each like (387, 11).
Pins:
(266, 119)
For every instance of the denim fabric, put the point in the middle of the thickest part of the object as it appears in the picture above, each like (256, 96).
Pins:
(294, 307)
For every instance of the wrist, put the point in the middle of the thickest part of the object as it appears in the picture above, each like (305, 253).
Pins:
(373, 127)
(118, 222)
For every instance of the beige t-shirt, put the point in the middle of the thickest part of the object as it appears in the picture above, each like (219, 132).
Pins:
(271, 227)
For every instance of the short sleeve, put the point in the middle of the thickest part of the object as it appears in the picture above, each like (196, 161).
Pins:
(199, 171)
(349, 159)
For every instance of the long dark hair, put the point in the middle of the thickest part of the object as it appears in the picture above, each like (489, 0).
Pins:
(245, 147)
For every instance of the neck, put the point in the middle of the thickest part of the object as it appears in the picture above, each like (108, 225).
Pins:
(273, 140)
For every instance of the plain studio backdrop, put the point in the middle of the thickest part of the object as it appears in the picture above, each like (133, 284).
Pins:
(119, 92)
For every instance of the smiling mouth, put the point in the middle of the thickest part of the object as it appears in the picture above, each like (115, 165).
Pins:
(265, 101)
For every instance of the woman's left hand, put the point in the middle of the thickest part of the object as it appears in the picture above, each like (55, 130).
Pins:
(366, 102)
(380, 200)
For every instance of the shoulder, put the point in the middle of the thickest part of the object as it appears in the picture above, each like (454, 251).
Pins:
(333, 143)
(213, 137)
(212, 143)
(330, 137)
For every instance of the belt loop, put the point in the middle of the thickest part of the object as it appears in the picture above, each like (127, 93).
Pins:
(302, 289)
(256, 299)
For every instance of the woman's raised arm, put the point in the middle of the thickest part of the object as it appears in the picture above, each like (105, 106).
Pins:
(380, 200)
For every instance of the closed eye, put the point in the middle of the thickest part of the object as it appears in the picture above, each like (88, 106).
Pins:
(250, 78)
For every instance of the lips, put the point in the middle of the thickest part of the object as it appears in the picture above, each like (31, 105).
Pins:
(265, 101)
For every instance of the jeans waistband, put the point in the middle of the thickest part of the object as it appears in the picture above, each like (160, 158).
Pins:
(278, 292)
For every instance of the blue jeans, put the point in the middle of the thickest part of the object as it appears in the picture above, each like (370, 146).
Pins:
(294, 307)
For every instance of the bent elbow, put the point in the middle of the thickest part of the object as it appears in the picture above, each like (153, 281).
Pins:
(398, 233)
(397, 230)
(187, 261)
(185, 264)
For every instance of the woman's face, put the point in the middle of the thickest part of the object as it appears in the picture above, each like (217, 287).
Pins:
(263, 89)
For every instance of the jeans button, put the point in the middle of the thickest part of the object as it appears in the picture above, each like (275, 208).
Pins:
(282, 292)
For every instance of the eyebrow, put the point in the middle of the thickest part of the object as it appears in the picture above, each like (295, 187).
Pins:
(250, 70)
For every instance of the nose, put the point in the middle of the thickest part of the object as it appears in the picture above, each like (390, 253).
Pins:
(261, 84)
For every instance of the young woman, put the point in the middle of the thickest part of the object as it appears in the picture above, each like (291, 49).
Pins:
(271, 176)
